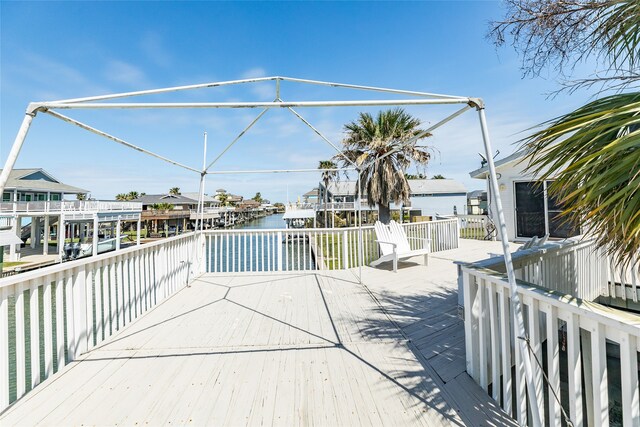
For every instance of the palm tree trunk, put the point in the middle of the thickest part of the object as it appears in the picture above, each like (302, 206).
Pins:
(384, 213)
(325, 205)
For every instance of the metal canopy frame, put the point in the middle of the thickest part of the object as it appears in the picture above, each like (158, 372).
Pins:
(414, 98)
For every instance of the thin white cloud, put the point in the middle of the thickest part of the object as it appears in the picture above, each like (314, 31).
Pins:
(60, 80)
(122, 72)
(153, 48)
(254, 73)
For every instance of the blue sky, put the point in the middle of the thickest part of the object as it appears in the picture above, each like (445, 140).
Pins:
(57, 50)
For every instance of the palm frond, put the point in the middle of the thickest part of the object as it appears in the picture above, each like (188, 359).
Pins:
(593, 157)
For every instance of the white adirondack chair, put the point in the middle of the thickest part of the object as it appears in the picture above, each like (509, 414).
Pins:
(394, 245)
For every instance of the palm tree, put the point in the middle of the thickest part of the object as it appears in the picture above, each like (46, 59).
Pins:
(174, 191)
(223, 198)
(592, 153)
(327, 176)
(257, 197)
(162, 207)
(133, 195)
(121, 196)
(383, 148)
(593, 156)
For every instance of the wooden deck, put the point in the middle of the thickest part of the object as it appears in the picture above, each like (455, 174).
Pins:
(282, 349)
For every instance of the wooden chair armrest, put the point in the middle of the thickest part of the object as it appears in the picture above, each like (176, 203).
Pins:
(386, 243)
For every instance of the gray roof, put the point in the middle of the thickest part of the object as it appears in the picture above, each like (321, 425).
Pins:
(477, 193)
(313, 192)
(436, 186)
(341, 188)
(418, 186)
(484, 171)
(19, 179)
(151, 199)
(195, 196)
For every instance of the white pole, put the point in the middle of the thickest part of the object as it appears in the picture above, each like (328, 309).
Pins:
(360, 238)
(516, 305)
(138, 229)
(118, 225)
(15, 150)
(57, 105)
(202, 177)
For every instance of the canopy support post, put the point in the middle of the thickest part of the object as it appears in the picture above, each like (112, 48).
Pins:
(15, 149)
(516, 305)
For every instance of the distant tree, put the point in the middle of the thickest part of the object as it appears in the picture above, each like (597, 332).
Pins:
(257, 197)
(438, 176)
(174, 191)
(223, 198)
(81, 196)
(128, 196)
(327, 176)
(368, 143)
(416, 176)
(162, 207)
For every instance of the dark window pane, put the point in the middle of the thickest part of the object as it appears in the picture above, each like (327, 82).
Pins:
(529, 209)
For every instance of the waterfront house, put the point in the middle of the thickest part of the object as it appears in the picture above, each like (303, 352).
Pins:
(477, 202)
(528, 209)
(311, 196)
(36, 184)
(428, 197)
(166, 214)
(35, 203)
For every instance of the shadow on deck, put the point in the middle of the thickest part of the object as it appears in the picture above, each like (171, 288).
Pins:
(280, 349)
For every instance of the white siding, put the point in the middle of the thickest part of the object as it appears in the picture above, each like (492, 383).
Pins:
(509, 173)
(440, 204)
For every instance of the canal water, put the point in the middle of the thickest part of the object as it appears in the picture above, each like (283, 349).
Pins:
(266, 222)
(258, 252)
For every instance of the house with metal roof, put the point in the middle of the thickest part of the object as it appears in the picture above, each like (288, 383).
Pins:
(166, 214)
(35, 206)
(36, 184)
(428, 196)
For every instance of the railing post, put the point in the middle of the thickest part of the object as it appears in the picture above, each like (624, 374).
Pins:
(279, 246)
(4, 349)
(345, 250)
(630, 387)
(80, 302)
(471, 324)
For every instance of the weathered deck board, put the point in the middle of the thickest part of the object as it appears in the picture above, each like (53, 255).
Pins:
(280, 349)
(422, 301)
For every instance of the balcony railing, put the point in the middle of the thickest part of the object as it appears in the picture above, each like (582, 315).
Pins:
(570, 336)
(310, 249)
(477, 227)
(74, 306)
(63, 206)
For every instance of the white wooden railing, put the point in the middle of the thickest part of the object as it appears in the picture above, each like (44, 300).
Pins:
(575, 267)
(310, 249)
(50, 316)
(575, 339)
(476, 227)
(69, 206)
